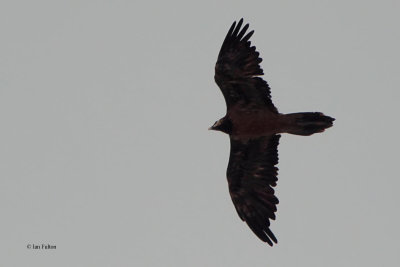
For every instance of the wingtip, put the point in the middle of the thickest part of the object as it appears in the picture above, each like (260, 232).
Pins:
(248, 35)
(271, 235)
(269, 242)
(237, 28)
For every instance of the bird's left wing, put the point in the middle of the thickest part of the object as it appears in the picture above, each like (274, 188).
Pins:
(237, 70)
(252, 174)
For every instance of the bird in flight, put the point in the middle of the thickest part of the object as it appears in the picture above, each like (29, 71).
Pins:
(254, 126)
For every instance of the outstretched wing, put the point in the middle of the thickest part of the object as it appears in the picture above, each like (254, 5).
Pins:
(251, 176)
(237, 69)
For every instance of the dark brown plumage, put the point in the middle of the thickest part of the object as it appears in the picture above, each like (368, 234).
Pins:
(254, 124)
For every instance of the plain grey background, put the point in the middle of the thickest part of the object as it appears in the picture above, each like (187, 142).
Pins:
(105, 153)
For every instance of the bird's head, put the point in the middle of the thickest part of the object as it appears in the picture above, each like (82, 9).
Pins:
(223, 125)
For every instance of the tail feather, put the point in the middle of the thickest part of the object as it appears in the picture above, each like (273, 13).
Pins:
(308, 123)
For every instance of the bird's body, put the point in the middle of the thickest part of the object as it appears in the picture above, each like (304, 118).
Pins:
(266, 123)
(254, 124)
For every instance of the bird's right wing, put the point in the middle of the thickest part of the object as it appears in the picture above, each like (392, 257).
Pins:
(236, 71)
(252, 174)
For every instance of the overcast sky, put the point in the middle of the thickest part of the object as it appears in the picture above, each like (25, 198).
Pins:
(105, 153)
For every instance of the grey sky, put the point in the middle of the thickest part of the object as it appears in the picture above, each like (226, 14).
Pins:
(105, 153)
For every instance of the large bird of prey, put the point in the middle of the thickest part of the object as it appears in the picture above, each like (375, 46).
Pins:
(253, 124)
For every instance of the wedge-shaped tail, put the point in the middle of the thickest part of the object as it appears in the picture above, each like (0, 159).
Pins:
(308, 123)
